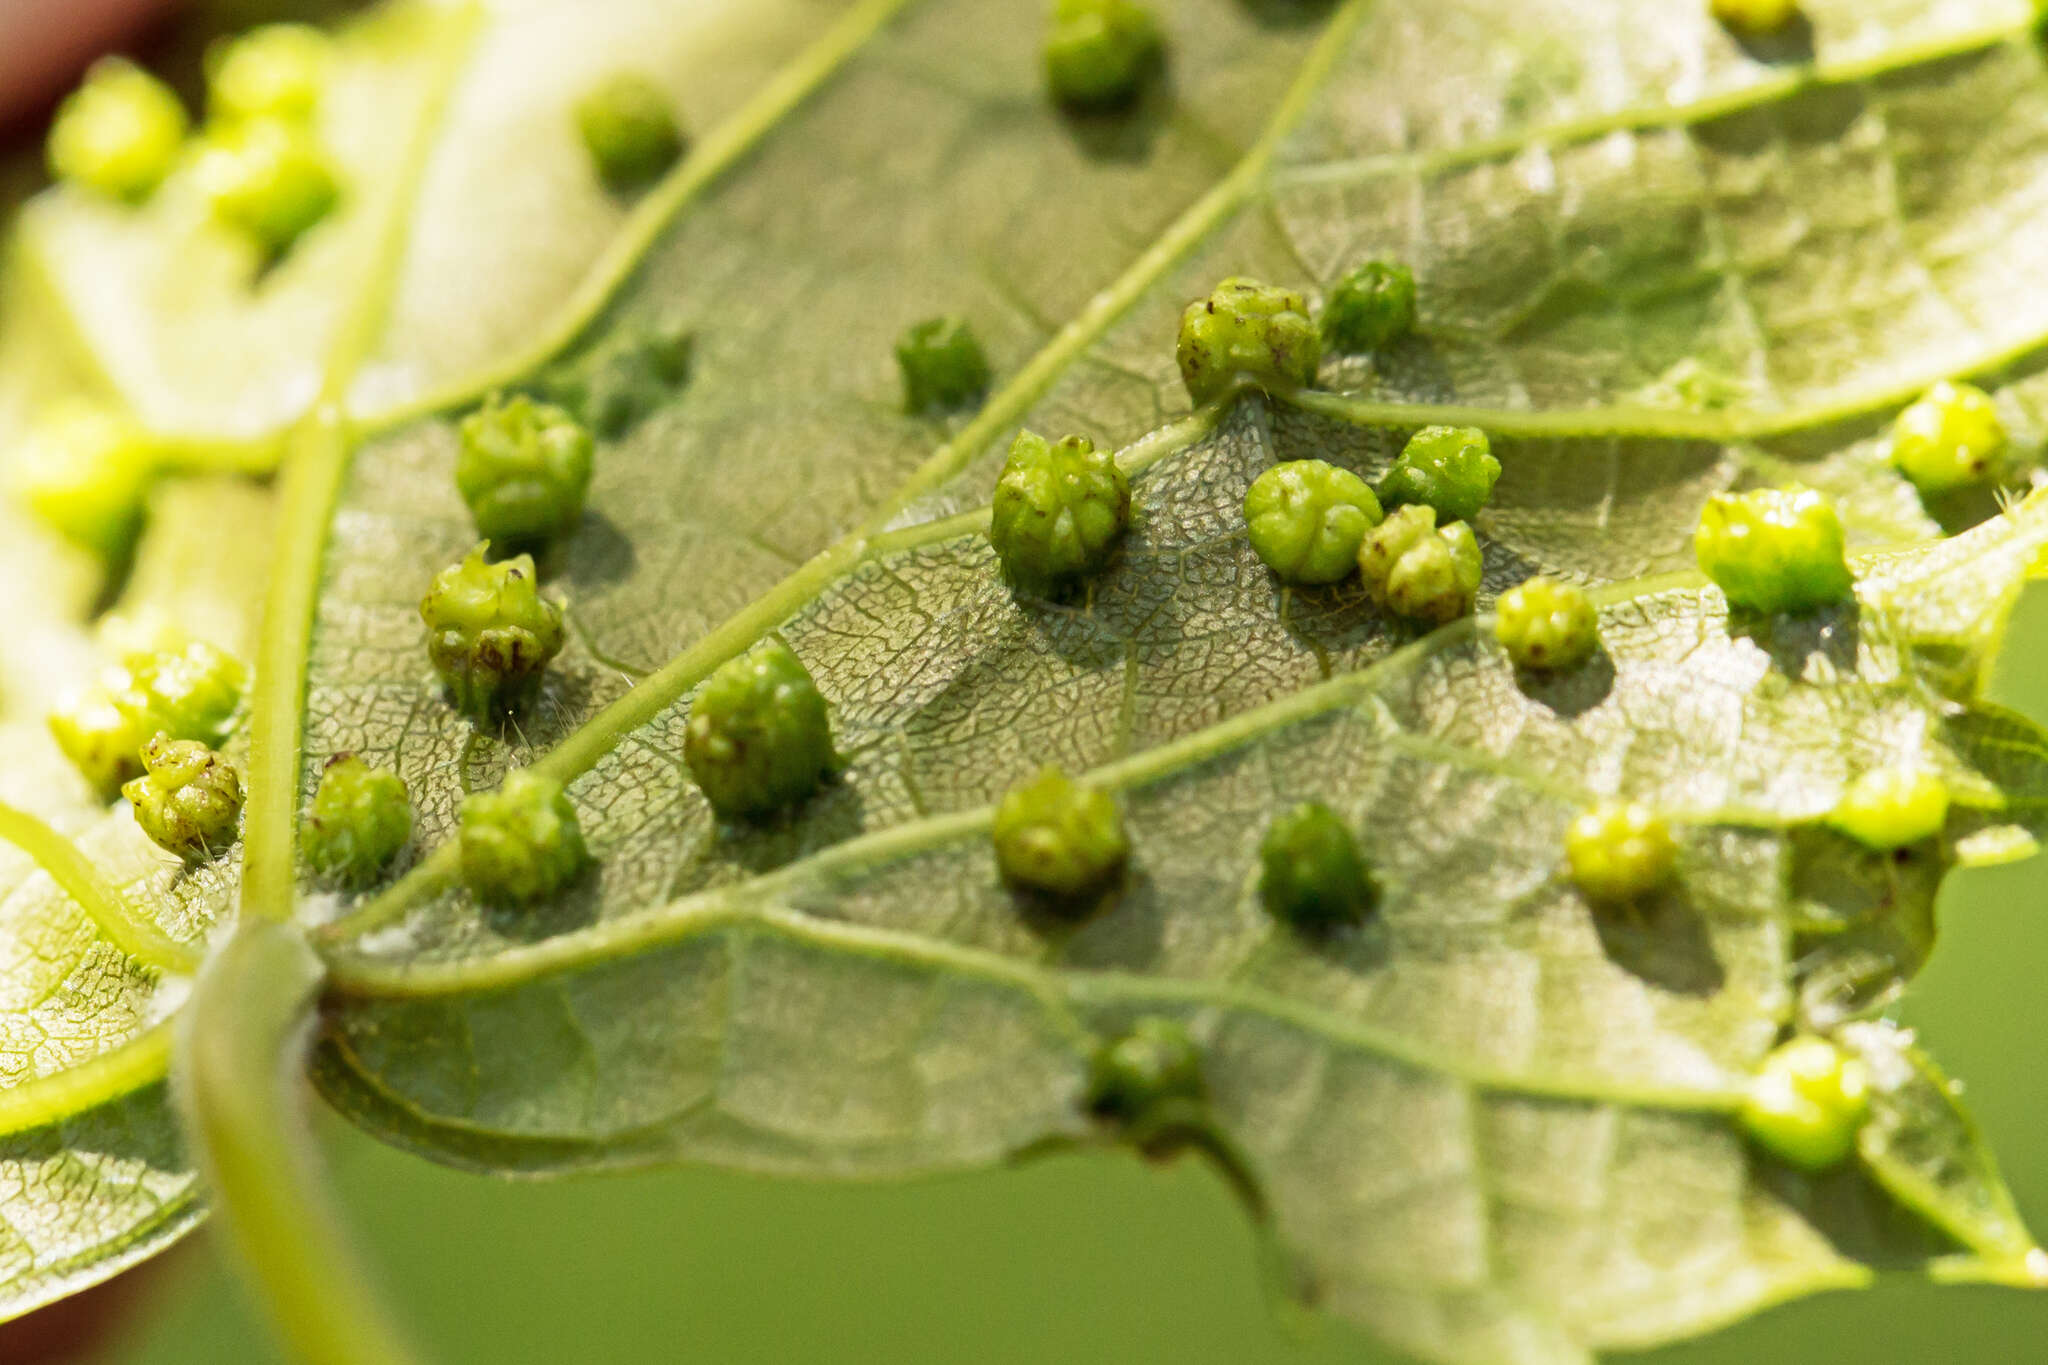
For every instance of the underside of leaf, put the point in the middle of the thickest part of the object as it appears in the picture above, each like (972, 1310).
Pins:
(1495, 1122)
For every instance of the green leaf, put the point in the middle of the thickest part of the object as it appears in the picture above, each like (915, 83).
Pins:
(93, 1172)
(1652, 263)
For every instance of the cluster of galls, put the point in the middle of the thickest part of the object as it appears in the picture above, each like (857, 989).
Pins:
(149, 731)
(1063, 841)
(152, 731)
(1061, 506)
(1776, 551)
(523, 468)
(1313, 523)
(259, 162)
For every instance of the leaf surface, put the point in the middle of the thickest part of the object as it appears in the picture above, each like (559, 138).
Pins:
(1491, 1125)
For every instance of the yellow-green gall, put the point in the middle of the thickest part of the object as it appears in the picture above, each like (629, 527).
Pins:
(522, 842)
(1888, 808)
(1546, 624)
(1451, 469)
(1774, 549)
(1258, 333)
(1059, 510)
(188, 690)
(943, 366)
(360, 818)
(1755, 17)
(1418, 570)
(119, 133)
(1062, 838)
(1620, 852)
(490, 633)
(759, 737)
(86, 472)
(1311, 874)
(192, 691)
(270, 179)
(101, 742)
(188, 799)
(275, 71)
(629, 128)
(1370, 308)
(1807, 1103)
(524, 468)
(1307, 518)
(1951, 438)
(1099, 52)
(1141, 1073)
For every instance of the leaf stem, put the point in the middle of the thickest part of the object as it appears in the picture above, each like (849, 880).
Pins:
(134, 934)
(241, 1061)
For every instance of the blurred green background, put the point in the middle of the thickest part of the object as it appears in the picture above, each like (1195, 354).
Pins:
(1078, 1259)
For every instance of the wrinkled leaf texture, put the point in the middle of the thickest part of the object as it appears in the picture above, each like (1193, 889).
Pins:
(1490, 1126)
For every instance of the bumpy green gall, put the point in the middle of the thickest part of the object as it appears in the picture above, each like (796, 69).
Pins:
(490, 633)
(1059, 837)
(1807, 1103)
(1774, 549)
(1620, 852)
(276, 71)
(361, 817)
(1889, 808)
(943, 366)
(86, 473)
(188, 691)
(188, 799)
(1371, 308)
(1952, 438)
(1310, 872)
(1307, 518)
(630, 129)
(1546, 624)
(1755, 16)
(523, 468)
(1153, 1066)
(759, 737)
(1098, 52)
(520, 843)
(1259, 332)
(1416, 569)
(271, 179)
(119, 133)
(624, 376)
(1060, 508)
(1451, 469)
